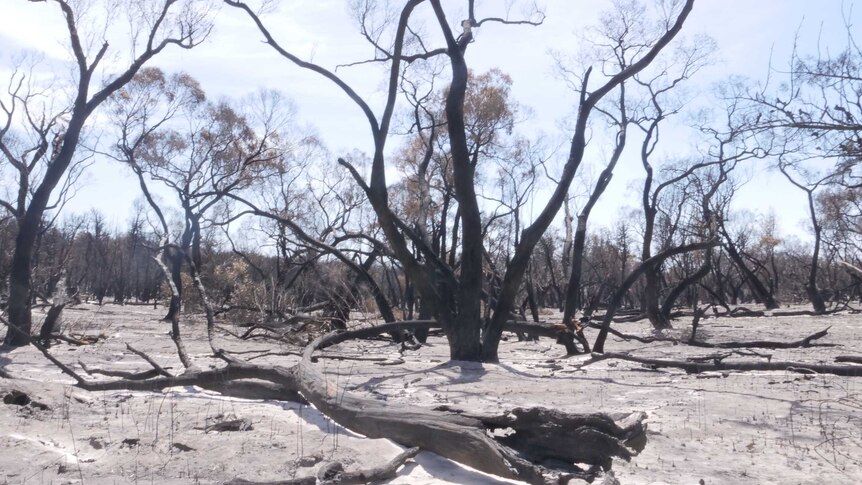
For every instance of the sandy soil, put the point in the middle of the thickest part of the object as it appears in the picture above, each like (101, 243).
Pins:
(712, 428)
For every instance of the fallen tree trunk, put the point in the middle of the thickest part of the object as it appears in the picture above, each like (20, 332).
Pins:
(765, 344)
(754, 344)
(851, 359)
(718, 364)
(540, 446)
(466, 439)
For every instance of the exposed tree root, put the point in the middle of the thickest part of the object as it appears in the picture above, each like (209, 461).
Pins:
(536, 445)
(851, 359)
(717, 364)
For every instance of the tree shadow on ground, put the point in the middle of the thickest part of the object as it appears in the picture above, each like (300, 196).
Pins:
(4, 360)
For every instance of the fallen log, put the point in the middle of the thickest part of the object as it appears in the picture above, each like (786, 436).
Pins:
(467, 439)
(754, 344)
(536, 445)
(765, 344)
(698, 366)
(852, 359)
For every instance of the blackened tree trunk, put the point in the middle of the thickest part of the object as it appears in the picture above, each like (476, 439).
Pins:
(757, 287)
(175, 257)
(531, 298)
(573, 289)
(683, 285)
(814, 294)
(809, 188)
(20, 291)
(342, 307)
(83, 105)
(652, 295)
(652, 274)
(426, 312)
(557, 292)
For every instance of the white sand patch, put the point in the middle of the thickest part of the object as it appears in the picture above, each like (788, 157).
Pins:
(722, 428)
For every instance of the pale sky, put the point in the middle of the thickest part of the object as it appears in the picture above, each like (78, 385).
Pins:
(234, 62)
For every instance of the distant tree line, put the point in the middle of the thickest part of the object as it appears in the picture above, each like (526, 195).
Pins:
(102, 264)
